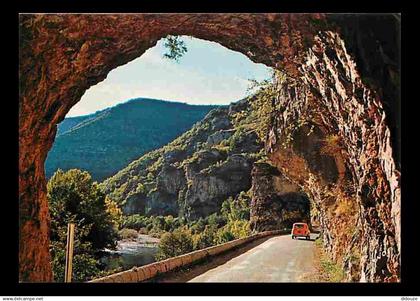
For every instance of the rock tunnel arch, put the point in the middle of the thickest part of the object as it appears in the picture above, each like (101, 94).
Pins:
(61, 56)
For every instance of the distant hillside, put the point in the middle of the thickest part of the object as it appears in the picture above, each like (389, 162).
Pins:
(70, 122)
(105, 142)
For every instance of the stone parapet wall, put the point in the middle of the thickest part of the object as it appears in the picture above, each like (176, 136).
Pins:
(139, 274)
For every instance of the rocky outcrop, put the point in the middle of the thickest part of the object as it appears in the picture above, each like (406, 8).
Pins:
(375, 45)
(219, 120)
(208, 188)
(135, 203)
(63, 55)
(164, 199)
(276, 202)
(171, 179)
(161, 203)
(219, 136)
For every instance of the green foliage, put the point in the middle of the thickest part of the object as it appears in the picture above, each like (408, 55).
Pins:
(127, 233)
(224, 235)
(114, 211)
(154, 169)
(236, 209)
(135, 221)
(262, 102)
(222, 148)
(331, 271)
(261, 156)
(85, 264)
(152, 224)
(175, 243)
(237, 137)
(73, 197)
(233, 230)
(141, 189)
(205, 238)
(176, 48)
(197, 226)
(236, 213)
(233, 223)
(215, 220)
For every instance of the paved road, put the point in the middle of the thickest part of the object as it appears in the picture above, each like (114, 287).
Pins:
(278, 259)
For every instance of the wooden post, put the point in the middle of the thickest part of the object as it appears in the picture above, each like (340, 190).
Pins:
(69, 252)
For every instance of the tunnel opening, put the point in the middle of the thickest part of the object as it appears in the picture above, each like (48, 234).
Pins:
(199, 174)
(277, 202)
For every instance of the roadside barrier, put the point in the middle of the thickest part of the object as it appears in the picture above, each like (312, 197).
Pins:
(146, 272)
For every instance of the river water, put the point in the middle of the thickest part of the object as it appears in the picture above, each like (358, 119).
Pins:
(131, 253)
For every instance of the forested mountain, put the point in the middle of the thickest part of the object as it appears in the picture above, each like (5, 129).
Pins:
(194, 174)
(104, 142)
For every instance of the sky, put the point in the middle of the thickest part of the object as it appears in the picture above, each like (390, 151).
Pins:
(207, 74)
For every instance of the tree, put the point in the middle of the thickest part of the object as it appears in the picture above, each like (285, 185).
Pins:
(236, 209)
(114, 211)
(206, 238)
(175, 243)
(176, 48)
(236, 213)
(73, 197)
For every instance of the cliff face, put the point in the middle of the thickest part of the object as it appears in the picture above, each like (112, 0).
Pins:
(355, 182)
(276, 202)
(351, 176)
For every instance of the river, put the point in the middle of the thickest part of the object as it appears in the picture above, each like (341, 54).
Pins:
(130, 253)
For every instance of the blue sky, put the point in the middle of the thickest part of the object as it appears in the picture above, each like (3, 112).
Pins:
(207, 74)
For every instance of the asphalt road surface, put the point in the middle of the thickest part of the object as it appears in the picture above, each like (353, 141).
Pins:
(278, 259)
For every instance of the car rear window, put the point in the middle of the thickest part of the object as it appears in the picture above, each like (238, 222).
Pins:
(299, 226)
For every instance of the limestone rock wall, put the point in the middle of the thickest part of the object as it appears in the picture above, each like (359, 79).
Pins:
(358, 185)
(210, 188)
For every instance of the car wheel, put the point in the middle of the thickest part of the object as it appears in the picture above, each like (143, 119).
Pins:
(308, 237)
(293, 237)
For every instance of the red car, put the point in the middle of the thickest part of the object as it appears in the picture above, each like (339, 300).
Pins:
(301, 230)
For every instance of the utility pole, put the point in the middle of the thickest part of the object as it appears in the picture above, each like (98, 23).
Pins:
(69, 252)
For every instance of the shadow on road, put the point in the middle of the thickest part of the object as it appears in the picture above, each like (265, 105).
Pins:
(185, 274)
(314, 236)
(303, 239)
